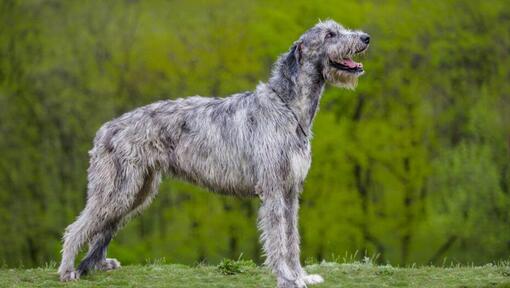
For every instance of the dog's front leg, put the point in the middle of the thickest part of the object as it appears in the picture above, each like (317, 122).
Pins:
(291, 217)
(273, 228)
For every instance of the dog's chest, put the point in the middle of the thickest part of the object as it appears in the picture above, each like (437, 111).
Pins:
(300, 163)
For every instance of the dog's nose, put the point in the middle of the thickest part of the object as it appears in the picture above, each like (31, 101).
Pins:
(365, 38)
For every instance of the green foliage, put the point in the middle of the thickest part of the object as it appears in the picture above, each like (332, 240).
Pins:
(231, 267)
(413, 166)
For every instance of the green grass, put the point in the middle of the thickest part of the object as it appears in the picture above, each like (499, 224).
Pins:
(231, 273)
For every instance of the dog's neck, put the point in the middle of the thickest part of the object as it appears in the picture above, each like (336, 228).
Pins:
(300, 87)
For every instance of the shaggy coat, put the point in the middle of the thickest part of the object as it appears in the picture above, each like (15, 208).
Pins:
(249, 144)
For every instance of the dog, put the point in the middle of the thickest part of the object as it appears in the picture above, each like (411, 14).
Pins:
(251, 144)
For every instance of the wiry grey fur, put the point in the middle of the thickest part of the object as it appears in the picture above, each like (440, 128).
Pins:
(249, 144)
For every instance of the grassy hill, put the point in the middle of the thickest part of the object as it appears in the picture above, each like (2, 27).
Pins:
(246, 274)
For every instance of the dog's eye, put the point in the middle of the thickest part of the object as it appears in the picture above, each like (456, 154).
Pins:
(330, 35)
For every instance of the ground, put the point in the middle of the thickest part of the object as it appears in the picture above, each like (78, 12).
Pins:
(246, 274)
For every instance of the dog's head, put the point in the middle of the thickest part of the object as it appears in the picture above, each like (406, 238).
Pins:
(328, 48)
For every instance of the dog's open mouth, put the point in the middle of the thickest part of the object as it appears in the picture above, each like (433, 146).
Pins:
(348, 65)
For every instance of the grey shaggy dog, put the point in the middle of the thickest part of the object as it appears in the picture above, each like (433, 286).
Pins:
(249, 144)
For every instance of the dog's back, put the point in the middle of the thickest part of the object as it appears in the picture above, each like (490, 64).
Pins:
(206, 141)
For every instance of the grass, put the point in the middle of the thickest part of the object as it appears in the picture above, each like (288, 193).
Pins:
(231, 273)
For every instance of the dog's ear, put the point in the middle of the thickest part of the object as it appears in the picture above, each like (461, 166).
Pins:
(294, 57)
(298, 51)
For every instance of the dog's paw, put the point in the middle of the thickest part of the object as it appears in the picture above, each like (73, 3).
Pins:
(108, 264)
(313, 279)
(67, 276)
(296, 283)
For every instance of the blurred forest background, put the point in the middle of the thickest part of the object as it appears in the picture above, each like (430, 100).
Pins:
(413, 166)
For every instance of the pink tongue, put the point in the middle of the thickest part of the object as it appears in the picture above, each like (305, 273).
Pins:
(351, 64)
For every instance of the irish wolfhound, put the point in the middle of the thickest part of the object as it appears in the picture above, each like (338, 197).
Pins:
(249, 144)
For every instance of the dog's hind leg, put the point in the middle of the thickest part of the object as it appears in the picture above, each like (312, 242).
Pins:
(146, 194)
(96, 257)
(113, 190)
(76, 234)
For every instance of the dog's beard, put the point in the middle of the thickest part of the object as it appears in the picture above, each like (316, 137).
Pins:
(339, 78)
